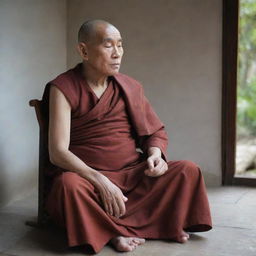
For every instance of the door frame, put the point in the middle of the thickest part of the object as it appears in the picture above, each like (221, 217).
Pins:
(230, 16)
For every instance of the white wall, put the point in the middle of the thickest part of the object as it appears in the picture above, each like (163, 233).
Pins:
(32, 51)
(174, 48)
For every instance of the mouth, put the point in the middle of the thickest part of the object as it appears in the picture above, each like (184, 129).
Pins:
(115, 65)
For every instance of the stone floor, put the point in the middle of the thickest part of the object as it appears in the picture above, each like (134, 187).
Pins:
(233, 233)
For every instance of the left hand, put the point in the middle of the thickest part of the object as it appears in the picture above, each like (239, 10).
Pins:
(156, 166)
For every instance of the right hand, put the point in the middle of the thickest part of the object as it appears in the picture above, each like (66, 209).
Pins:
(112, 197)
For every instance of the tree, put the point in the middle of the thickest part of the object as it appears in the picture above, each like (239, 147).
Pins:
(246, 109)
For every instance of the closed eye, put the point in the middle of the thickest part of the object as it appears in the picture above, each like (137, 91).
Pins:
(109, 42)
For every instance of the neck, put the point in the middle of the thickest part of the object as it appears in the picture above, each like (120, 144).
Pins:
(93, 78)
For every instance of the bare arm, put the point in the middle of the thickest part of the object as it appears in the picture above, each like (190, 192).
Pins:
(59, 137)
(60, 155)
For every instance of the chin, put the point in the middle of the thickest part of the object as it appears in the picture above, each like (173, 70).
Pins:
(116, 72)
(113, 72)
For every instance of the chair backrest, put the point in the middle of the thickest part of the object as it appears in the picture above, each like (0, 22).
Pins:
(37, 104)
(43, 159)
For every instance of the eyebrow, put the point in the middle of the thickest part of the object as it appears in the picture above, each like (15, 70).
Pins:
(111, 39)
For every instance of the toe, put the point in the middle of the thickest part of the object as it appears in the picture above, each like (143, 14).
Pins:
(136, 241)
(139, 240)
(142, 240)
(133, 247)
(185, 234)
(126, 249)
(184, 239)
(181, 238)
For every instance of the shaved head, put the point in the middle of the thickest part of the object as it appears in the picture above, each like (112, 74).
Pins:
(89, 29)
(100, 46)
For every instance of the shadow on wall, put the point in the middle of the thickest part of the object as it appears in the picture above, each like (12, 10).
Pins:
(4, 197)
(12, 186)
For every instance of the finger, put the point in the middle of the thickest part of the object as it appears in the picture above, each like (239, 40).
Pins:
(109, 205)
(150, 173)
(125, 198)
(157, 161)
(161, 168)
(111, 211)
(115, 206)
(106, 206)
(155, 169)
(121, 205)
(122, 208)
(164, 167)
(156, 172)
(158, 165)
(150, 163)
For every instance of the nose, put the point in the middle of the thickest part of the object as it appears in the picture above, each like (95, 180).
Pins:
(117, 52)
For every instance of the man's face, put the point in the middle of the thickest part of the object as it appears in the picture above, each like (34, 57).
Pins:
(105, 51)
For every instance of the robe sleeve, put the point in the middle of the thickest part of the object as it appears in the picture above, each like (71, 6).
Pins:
(159, 137)
(69, 90)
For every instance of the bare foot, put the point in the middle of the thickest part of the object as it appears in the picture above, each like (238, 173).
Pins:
(126, 244)
(183, 238)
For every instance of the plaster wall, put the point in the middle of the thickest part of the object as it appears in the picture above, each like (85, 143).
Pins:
(33, 51)
(174, 48)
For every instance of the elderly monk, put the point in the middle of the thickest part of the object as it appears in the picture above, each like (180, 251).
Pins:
(111, 181)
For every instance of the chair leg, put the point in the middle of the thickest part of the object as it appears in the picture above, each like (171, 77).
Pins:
(34, 224)
(42, 217)
(42, 220)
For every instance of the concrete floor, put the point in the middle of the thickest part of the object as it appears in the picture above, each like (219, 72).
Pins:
(233, 233)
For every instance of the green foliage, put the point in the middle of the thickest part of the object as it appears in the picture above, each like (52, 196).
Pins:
(246, 113)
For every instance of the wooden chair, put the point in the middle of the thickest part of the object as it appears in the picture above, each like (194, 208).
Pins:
(42, 217)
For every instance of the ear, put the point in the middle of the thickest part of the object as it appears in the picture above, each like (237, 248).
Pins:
(82, 50)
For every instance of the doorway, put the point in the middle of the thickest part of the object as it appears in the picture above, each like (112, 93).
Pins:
(233, 110)
(245, 164)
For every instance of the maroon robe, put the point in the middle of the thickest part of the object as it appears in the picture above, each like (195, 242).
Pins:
(104, 134)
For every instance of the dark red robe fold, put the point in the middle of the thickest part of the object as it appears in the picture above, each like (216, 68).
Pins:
(104, 134)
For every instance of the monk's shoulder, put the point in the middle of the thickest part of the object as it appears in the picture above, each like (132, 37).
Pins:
(67, 83)
(129, 80)
(64, 79)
